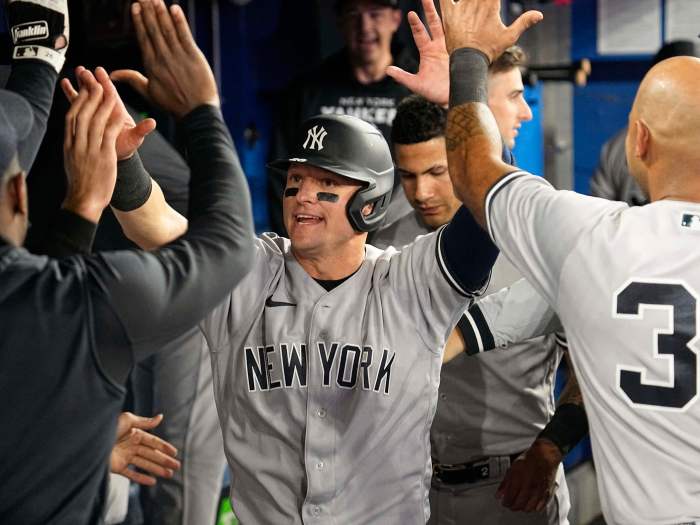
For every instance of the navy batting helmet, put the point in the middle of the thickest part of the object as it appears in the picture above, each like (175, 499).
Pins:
(355, 149)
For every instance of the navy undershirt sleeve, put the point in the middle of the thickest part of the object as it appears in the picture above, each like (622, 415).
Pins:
(467, 251)
(35, 81)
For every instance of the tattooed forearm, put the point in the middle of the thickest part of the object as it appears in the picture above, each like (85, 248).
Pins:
(463, 122)
(473, 154)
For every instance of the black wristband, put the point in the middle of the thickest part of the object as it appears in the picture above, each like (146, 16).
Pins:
(567, 427)
(468, 74)
(133, 187)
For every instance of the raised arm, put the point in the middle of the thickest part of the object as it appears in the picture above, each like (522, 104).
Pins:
(138, 201)
(433, 78)
(178, 80)
(139, 300)
(475, 35)
(36, 62)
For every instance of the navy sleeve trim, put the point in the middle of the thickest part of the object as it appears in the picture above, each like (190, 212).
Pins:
(475, 331)
(442, 264)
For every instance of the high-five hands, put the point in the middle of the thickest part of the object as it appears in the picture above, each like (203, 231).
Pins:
(89, 149)
(433, 78)
(477, 24)
(467, 23)
(131, 135)
(178, 77)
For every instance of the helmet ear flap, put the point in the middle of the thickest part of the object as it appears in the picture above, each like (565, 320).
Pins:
(379, 197)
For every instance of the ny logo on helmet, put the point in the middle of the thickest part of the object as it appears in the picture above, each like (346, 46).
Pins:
(316, 136)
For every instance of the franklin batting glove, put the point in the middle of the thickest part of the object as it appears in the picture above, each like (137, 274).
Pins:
(39, 30)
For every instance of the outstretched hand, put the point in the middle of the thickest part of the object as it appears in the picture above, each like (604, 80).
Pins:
(477, 24)
(131, 135)
(178, 77)
(529, 483)
(89, 150)
(433, 78)
(136, 447)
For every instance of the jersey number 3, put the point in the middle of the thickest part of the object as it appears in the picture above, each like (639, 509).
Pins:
(681, 388)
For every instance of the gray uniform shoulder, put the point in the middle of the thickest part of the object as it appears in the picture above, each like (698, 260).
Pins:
(401, 232)
(271, 243)
(612, 179)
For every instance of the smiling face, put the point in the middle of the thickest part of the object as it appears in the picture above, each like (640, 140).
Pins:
(426, 181)
(508, 104)
(317, 227)
(368, 28)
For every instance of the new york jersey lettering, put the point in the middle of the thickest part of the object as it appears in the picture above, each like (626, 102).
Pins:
(347, 366)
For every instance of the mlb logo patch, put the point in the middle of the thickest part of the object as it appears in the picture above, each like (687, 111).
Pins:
(691, 221)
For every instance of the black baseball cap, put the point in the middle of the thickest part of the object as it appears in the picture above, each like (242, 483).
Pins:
(340, 4)
(16, 118)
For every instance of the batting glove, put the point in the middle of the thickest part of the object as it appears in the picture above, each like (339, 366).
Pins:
(40, 30)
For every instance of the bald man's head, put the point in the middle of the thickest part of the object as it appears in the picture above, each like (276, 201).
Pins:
(664, 124)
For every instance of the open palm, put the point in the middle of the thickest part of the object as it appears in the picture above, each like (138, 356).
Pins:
(433, 78)
(131, 135)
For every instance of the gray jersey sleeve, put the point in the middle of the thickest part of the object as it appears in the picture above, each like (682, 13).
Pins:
(512, 315)
(536, 226)
(425, 285)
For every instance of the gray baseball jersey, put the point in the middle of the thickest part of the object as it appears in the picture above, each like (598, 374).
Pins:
(625, 283)
(326, 398)
(493, 404)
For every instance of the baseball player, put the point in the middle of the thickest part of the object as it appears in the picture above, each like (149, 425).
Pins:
(476, 433)
(72, 328)
(327, 355)
(631, 323)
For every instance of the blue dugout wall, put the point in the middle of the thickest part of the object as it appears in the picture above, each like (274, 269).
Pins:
(601, 108)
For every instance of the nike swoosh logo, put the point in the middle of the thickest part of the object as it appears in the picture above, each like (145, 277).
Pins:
(271, 304)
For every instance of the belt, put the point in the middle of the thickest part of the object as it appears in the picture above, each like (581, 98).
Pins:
(474, 471)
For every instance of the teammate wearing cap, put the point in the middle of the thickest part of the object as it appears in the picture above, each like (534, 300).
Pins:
(324, 396)
(476, 435)
(635, 349)
(72, 328)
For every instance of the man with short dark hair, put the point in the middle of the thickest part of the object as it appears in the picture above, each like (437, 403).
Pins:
(475, 427)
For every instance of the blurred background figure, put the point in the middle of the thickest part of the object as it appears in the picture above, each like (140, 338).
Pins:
(612, 179)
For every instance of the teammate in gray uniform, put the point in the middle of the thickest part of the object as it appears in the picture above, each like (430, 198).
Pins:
(476, 433)
(324, 393)
(632, 323)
